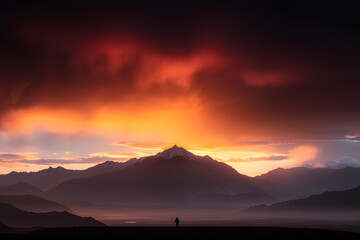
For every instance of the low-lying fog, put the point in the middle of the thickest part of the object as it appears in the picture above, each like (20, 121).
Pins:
(217, 217)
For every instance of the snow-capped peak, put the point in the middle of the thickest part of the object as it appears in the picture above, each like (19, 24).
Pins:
(177, 151)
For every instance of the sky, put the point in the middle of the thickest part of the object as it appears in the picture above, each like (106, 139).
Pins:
(254, 84)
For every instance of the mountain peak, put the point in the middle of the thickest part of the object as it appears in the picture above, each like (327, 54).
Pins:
(56, 168)
(177, 151)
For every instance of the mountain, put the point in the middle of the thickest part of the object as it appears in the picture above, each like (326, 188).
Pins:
(6, 229)
(302, 182)
(15, 217)
(48, 178)
(348, 200)
(33, 204)
(43, 179)
(171, 177)
(100, 168)
(20, 189)
(177, 151)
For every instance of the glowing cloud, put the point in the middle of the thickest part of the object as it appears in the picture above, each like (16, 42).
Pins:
(303, 154)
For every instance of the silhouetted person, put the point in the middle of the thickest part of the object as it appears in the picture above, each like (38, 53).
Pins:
(177, 221)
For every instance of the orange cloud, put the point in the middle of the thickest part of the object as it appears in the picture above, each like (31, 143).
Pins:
(141, 144)
(216, 83)
(303, 153)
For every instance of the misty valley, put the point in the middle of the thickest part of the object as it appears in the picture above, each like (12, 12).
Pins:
(153, 190)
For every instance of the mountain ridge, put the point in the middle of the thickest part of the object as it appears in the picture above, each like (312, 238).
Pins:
(177, 151)
(52, 176)
(159, 180)
(21, 188)
(302, 182)
(33, 204)
(14, 217)
(281, 184)
(330, 201)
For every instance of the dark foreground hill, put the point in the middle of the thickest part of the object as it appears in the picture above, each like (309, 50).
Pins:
(160, 233)
(5, 229)
(14, 217)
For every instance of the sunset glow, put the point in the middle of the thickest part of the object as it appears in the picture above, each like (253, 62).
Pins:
(135, 83)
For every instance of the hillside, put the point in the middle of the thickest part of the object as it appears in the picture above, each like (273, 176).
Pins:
(335, 201)
(157, 180)
(14, 217)
(302, 182)
(33, 203)
(20, 188)
(50, 177)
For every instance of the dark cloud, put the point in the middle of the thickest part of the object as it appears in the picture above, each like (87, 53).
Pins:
(289, 68)
(10, 157)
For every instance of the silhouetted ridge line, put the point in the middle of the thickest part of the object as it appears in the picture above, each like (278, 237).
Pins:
(15, 217)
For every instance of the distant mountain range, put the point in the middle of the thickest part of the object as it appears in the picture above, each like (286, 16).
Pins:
(48, 178)
(175, 177)
(335, 201)
(14, 217)
(171, 177)
(302, 182)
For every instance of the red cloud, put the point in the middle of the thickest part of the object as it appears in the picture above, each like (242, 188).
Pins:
(252, 71)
